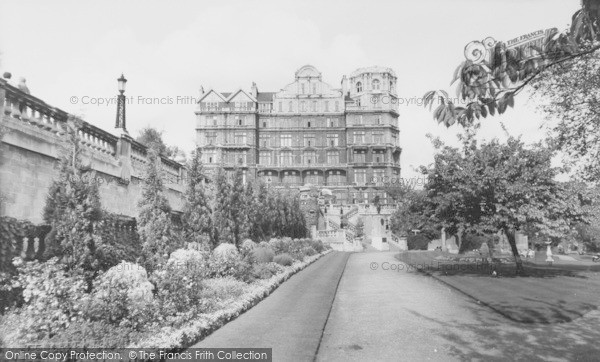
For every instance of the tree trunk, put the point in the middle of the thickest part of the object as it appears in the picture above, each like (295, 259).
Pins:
(512, 240)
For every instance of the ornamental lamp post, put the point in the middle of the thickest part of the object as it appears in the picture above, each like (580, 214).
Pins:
(121, 120)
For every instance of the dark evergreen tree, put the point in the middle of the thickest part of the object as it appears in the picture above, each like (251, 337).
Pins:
(73, 210)
(196, 219)
(157, 232)
(222, 228)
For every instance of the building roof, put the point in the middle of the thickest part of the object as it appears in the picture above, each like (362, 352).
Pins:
(265, 96)
(373, 69)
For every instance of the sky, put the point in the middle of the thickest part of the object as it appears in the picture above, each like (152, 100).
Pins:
(72, 52)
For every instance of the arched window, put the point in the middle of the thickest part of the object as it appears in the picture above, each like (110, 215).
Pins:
(358, 87)
(375, 84)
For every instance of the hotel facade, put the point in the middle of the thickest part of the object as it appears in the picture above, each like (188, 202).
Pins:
(309, 133)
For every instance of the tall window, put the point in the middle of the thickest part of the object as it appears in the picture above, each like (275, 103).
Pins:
(359, 156)
(240, 138)
(360, 176)
(214, 120)
(303, 106)
(313, 107)
(280, 106)
(286, 140)
(310, 157)
(264, 140)
(309, 140)
(333, 157)
(359, 137)
(286, 158)
(209, 157)
(358, 87)
(265, 158)
(302, 87)
(378, 156)
(290, 107)
(376, 84)
(211, 138)
(378, 176)
(332, 140)
(314, 88)
(326, 106)
(337, 106)
(377, 138)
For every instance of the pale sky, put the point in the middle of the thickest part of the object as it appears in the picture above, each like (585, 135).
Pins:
(168, 49)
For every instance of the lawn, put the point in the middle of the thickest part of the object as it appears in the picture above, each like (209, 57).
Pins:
(543, 295)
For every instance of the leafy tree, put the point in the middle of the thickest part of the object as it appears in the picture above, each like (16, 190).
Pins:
(494, 72)
(197, 222)
(483, 188)
(158, 234)
(569, 97)
(153, 138)
(414, 212)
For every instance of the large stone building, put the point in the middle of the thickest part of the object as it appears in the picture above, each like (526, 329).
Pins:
(308, 133)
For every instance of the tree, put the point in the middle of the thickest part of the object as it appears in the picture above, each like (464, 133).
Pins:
(569, 97)
(153, 138)
(196, 219)
(494, 72)
(222, 228)
(73, 210)
(414, 212)
(157, 232)
(260, 225)
(237, 214)
(483, 188)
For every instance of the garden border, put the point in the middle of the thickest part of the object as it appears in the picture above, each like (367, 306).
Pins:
(184, 337)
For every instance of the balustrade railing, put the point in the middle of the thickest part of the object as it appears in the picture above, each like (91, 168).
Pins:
(34, 112)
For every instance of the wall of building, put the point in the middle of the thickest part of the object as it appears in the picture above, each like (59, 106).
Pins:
(34, 142)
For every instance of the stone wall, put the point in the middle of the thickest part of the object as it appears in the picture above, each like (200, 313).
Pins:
(34, 141)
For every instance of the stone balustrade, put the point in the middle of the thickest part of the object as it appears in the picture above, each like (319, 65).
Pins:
(36, 134)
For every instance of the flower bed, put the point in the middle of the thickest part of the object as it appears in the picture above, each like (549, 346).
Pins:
(205, 324)
(183, 300)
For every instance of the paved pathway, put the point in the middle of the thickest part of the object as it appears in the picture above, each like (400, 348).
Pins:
(390, 315)
(291, 320)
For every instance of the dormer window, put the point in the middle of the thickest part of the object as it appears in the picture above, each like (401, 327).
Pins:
(358, 87)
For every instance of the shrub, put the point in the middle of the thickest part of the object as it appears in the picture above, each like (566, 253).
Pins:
(308, 251)
(52, 300)
(225, 261)
(262, 255)
(179, 282)
(283, 259)
(247, 246)
(123, 296)
(317, 245)
(265, 270)
(279, 246)
(417, 242)
(217, 290)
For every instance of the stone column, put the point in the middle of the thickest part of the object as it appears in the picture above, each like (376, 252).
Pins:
(124, 155)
